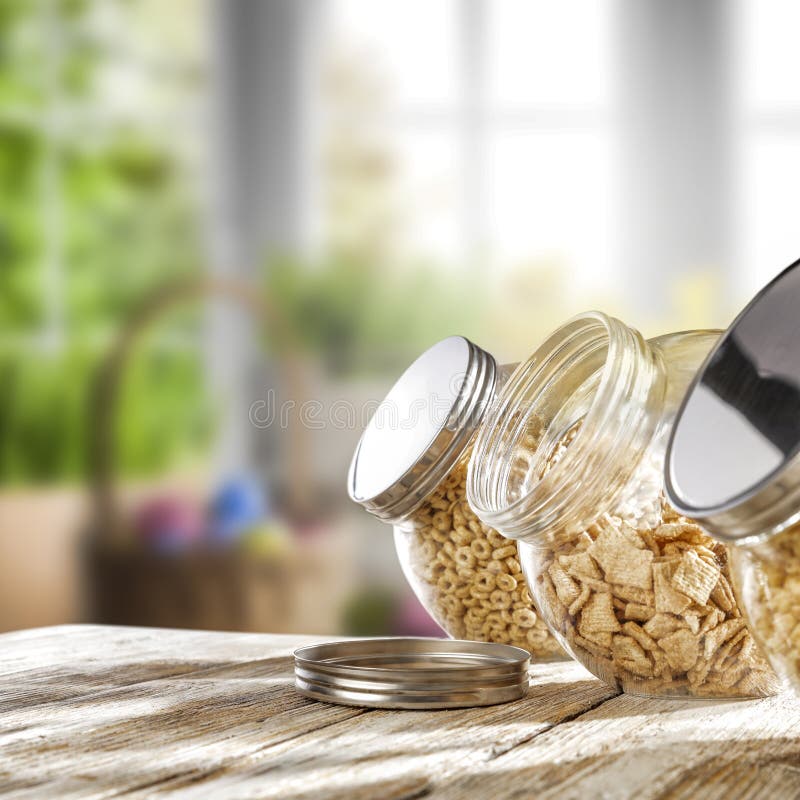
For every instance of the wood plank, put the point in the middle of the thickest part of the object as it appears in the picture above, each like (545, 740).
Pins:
(89, 712)
(69, 661)
(207, 727)
(116, 694)
(376, 754)
(647, 748)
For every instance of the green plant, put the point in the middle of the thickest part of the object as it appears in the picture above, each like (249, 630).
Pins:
(356, 318)
(95, 209)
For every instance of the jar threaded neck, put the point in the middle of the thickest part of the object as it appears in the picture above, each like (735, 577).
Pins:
(594, 371)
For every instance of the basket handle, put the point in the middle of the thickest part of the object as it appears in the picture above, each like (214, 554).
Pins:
(105, 386)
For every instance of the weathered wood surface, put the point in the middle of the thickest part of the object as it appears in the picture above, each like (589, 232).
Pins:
(97, 712)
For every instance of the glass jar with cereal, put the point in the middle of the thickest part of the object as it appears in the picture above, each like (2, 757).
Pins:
(569, 463)
(733, 463)
(410, 470)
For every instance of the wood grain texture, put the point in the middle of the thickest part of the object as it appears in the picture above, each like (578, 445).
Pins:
(101, 712)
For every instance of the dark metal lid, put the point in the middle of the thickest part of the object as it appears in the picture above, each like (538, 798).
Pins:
(733, 460)
(422, 427)
(412, 673)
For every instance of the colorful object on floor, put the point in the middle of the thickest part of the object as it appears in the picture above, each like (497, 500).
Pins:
(169, 524)
(266, 541)
(239, 504)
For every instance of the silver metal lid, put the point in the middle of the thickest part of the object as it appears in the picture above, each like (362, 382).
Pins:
(420, 430)
(412, 673)
(733, 460)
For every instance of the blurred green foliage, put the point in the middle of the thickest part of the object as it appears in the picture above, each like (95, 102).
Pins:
(162, 418)
(359, 319)
(94, 212)
(21, 235)
(42, 414)
(371, 612)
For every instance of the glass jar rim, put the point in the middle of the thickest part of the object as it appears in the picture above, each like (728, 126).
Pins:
(625, 383)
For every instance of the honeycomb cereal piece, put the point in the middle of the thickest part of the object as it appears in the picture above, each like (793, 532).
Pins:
(683, 635)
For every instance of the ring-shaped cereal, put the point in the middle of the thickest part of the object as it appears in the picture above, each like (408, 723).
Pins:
(439, 536)
(495, 620)
(448, 582)
(485, 581)
(430, 574)
(427, 550)
(467, 574)
(442, 522)
(481, 548)
(500, 599)
(505, 582)
(476, 592)
(496, 539)
(445, 559)
(464, 557)
(536, 636)
(507, 551)
(515, 632)
(524, 617)
(453, 604)
(475, 617)
(461, 536)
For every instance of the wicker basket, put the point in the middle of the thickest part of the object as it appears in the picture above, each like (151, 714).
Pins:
(223, 590)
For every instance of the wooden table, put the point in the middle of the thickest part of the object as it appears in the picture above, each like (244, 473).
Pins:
(97, 712)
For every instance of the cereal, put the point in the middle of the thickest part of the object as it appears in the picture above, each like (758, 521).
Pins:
(695, 577)
(653, 613)
(469, 576)
(769, 577)
(668, 599)
(649, 606)
(506, 582)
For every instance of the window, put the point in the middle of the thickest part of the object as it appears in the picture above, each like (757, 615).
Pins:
(769, 139)
(498, 135)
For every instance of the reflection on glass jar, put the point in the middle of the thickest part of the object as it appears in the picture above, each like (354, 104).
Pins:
(410, 470)
(570, 463)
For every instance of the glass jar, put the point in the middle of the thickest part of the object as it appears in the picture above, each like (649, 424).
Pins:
(733, 463)
(569, 462)
(410, 468)
(767, 574)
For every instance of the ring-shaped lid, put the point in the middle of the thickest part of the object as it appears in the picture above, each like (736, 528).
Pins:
(419, 431)
(733, 460)
(412, 673)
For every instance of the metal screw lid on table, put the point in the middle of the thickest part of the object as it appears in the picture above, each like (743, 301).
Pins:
(412, 673)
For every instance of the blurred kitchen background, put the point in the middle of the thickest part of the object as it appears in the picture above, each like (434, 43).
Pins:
(227, 226)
